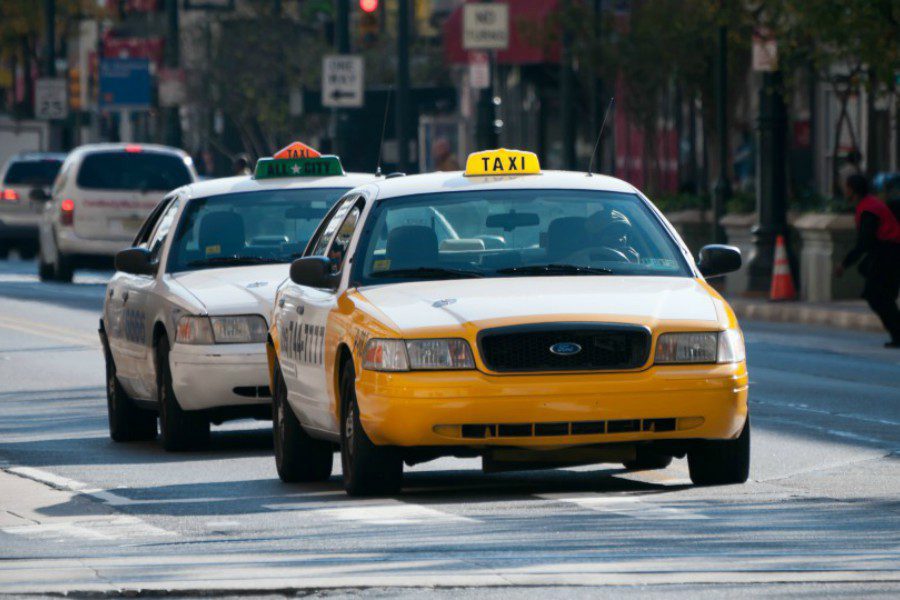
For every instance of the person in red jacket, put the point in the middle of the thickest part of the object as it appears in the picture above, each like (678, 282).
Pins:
(878, 245)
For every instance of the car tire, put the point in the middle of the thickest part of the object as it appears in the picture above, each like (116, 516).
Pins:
(4, 251)
(127, 422)
(63, 268)
(179, 429)
(369, 470)
(298, 457)
(645, 459)
(721, 462)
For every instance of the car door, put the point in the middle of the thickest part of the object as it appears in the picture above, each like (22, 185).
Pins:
(138, 300)
(303, 312)
(119, 324)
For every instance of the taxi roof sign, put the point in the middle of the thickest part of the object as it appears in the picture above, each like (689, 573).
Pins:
(502, 162)
(298, 160)
(297, 150)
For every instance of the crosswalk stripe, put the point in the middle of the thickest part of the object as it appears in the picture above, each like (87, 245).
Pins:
(374, 512)
(630, 506)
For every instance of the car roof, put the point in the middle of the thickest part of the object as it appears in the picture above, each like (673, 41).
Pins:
(455, 181)
(121, 146)
(35, 156)
(247, 183)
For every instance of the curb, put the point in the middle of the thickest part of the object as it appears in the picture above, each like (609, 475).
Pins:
(789, 312)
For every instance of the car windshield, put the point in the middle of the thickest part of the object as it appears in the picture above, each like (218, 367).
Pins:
(510, 233)
(143, 171)
(32, 172)
(271, 226)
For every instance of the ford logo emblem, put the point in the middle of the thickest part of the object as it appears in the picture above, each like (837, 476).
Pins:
(565, 348)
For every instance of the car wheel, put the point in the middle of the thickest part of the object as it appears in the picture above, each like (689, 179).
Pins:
(45, 268)
(721, 462)
(4, 251)
(127, 422)
(180, 429)
(645, 459)
(28, 250)
(298, 457)
(369, 470)
(63, 269)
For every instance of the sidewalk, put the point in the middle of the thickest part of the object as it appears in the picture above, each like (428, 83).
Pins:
(846, 314)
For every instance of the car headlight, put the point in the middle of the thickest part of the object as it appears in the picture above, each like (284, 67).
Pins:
(700, 347)
(243, 329)
(428, 354)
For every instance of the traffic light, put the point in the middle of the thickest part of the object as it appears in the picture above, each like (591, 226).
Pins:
(75, 88)
(369, 22)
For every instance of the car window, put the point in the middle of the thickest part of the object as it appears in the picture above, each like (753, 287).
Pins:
(149, 225)
(39, 172)
(507, 233)
(162, 231)
(327, 232)
(341, 242)
(144, 171)
(270, 226)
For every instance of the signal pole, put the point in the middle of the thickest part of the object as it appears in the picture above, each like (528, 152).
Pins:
(49, 66)
(402, 102)
(342, 43)
(172, 116)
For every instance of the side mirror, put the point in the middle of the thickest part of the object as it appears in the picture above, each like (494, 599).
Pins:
(135, 261)
(39, 195)
(718, 259)
(313, 271)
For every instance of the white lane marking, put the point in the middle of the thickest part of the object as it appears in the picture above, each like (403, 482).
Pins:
(374, 512)
(99, 528)
(630, 506)
(805, 408)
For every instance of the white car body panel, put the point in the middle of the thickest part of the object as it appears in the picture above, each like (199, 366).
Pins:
(203, 376)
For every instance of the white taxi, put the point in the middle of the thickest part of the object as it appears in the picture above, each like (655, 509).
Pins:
(532, 318)
(184, 318)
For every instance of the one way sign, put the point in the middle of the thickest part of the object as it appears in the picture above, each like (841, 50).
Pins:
(342, 81)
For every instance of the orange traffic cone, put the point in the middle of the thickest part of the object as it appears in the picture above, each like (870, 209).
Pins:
(782, 281)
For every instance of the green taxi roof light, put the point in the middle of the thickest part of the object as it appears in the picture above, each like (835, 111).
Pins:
(277, 168)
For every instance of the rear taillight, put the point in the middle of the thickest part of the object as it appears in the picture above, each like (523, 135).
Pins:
(133, 148)
(67, 212)
(9, 195)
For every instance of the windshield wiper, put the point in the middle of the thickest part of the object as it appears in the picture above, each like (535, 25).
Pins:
(233, 261)
(554, 269)
(428, 273)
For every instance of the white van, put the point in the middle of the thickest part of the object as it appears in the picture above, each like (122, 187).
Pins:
(103, 193)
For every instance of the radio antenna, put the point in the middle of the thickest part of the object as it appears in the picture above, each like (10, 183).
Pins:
(609, 106)
(387, 106)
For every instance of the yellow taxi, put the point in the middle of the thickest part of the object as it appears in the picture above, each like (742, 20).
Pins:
(533, 318)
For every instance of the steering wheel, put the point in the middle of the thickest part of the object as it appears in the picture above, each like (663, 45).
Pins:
(591, 254)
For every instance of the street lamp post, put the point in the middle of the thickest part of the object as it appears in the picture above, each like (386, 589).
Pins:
(723, 187)
(566, 92)
(771, 188)
(342, 43)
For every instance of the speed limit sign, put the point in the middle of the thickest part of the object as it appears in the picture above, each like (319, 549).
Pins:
(50, 98)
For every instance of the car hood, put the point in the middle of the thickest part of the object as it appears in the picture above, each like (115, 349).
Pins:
(235, 290)
(503, 301)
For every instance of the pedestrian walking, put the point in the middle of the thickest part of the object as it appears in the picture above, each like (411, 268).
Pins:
(878, 251)
(241, 165)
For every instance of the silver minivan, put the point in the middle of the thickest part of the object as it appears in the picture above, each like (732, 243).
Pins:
(24, 177)
(102, 195)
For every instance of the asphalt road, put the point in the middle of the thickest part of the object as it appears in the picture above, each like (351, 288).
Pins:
(821, 515)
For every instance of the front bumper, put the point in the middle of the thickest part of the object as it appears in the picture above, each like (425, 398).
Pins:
(562, 410)
(205, 377)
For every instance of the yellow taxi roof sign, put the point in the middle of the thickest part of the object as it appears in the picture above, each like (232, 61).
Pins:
(297, 150)
(502, 162)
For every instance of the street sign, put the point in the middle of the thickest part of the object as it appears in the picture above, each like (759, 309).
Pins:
(342, 81)
(125, 84)
(50, 98)
(486, 26)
